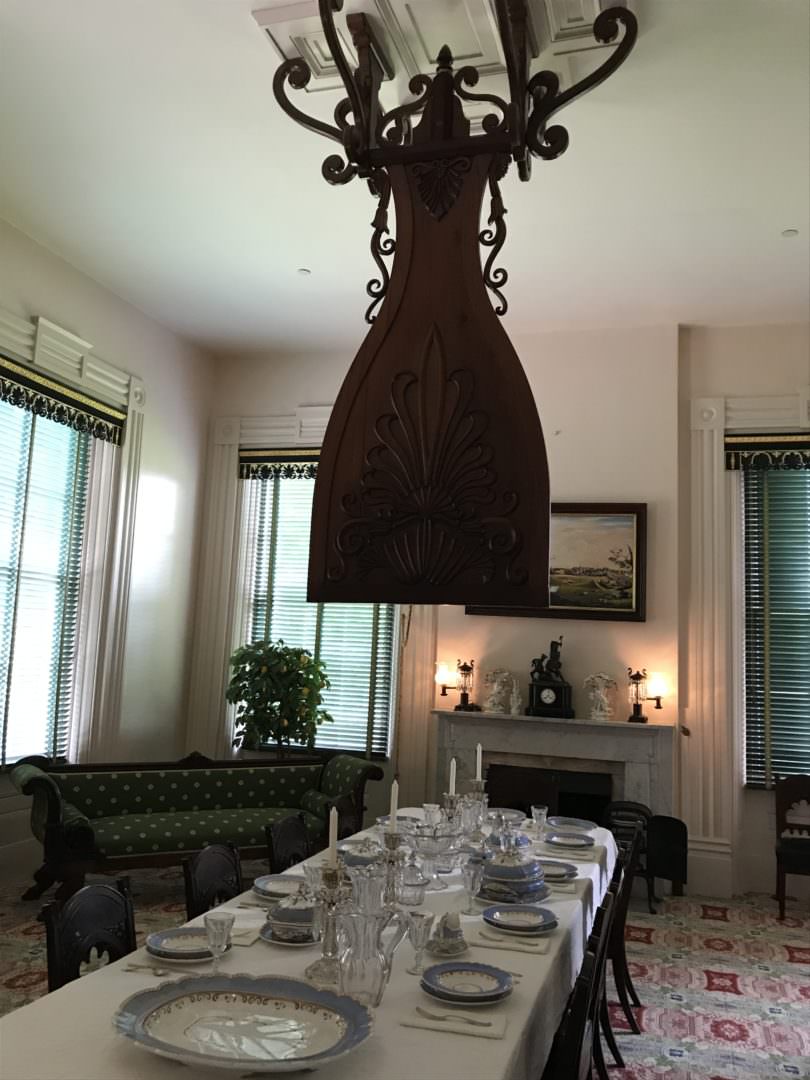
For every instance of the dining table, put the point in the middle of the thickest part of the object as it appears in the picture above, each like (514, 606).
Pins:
(69, 1034)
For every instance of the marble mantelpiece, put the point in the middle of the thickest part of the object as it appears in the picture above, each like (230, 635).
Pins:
(639, 757)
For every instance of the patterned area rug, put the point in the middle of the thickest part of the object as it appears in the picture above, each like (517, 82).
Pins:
(725, 986)
(725, 989)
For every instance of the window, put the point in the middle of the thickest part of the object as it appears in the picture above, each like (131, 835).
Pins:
(44, 468)
(776, 507)
(355, 641)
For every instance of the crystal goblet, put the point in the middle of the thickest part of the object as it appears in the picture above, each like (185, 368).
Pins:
(218, 926)
(539, 815)
(472, 873)
(420, 924)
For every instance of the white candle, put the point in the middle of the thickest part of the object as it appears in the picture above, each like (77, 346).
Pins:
(452, 788)
(392, 813)
(331, 858)
(478, 762)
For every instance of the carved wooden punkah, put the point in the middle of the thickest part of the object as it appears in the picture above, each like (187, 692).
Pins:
(433, 482)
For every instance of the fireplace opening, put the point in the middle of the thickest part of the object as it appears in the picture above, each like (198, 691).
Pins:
(570, 794)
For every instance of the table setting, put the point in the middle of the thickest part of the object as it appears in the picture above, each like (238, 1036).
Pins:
(335, 963)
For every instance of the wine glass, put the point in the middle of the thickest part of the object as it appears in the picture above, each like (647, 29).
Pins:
(218, 926)
(433, 813)
(420, 924)
(472, 873)
(539, 814)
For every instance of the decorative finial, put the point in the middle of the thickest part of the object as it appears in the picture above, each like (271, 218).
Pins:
(444, 61)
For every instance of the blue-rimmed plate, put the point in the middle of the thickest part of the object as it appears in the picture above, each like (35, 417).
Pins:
(568, 824)
(266, 934)
(554, 870)
(497, 893)
(263, 1024)
(183, 945)
(520, 918)
(514, 817)
(569, 840)
(459, 983)
(277, 886)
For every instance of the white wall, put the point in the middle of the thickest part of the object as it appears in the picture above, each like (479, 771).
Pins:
(745, 361)
(177, 380)
(608, 405)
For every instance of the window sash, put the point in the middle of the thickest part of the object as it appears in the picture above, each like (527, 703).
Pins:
(44, 472)
(776, 537)
(355, 641)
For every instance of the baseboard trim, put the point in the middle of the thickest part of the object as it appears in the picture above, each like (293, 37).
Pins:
(711, 870)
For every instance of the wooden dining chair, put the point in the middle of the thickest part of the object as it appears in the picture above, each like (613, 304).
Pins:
(604, 1012)
(211, 877)
(792, 832)
(598, 942)
(617, 954)
(571, 1056)
(287, 843)
(97, 918)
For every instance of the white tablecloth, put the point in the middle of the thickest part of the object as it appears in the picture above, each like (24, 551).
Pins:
(68, 1035)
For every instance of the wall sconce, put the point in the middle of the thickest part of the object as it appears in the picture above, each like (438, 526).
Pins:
(463, 682)
(637, 693)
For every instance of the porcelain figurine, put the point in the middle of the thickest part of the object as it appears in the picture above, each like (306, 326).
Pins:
(499, 682)
(598, 686)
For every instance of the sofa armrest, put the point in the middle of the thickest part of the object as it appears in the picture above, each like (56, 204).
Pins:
(47, 807)
(344, 780)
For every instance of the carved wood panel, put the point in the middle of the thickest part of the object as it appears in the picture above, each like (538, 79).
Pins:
(433, 466)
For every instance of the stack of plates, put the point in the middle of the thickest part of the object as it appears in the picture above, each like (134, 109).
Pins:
(554, 870)
(570, 824)
(184, 945)
(277, 886)
(569, 840)
(456, 983)
(521, 919)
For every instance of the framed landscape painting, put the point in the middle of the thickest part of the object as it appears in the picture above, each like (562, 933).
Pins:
(597, 564)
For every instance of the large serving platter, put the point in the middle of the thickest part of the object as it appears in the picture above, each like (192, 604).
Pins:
(240, 1022)
(569, 840)
(520, 919)
(277, 886)
(570, 824)
(461, 983)
(183, 945)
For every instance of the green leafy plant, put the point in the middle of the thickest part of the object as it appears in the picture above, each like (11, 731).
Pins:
(278, 693)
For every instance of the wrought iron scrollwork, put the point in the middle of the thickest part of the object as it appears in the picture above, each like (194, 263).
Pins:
(382, 245)
(492, 122)
(495, 277)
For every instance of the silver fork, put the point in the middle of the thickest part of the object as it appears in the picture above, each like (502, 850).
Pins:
(453, 1019)
(159, 971)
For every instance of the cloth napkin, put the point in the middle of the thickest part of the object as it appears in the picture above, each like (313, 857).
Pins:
(561, 886)
(572, 855)
(458, 1027)
(511, 944)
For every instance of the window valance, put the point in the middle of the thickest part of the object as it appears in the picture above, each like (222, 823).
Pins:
(36, 393)
(295, 464)
(781, 450)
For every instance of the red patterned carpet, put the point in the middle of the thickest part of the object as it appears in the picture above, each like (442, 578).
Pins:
(725, 986)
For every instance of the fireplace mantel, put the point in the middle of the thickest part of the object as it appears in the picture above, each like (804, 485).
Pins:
(638, 756)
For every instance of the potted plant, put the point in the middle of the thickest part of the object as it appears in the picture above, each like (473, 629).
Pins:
(277, 690)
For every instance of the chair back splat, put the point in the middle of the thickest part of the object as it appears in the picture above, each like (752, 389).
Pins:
(211, 877)
(287, 843)
(792, 832)
(97, 917)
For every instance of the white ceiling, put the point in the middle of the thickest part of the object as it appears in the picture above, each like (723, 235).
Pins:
(141, 142)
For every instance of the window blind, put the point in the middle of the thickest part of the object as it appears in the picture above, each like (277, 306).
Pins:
(355, 641)
(44, 471)
(776, 524)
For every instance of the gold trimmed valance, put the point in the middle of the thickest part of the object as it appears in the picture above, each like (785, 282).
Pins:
(26, 388)
(296, 464)
(781, 450)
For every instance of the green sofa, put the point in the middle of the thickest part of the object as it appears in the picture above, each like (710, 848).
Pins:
(105, 817)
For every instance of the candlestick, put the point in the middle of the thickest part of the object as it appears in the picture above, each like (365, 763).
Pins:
(393, 858)
(392, 813)
(478, 762)
(331, 858)
(324, 971)
(452, 789)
